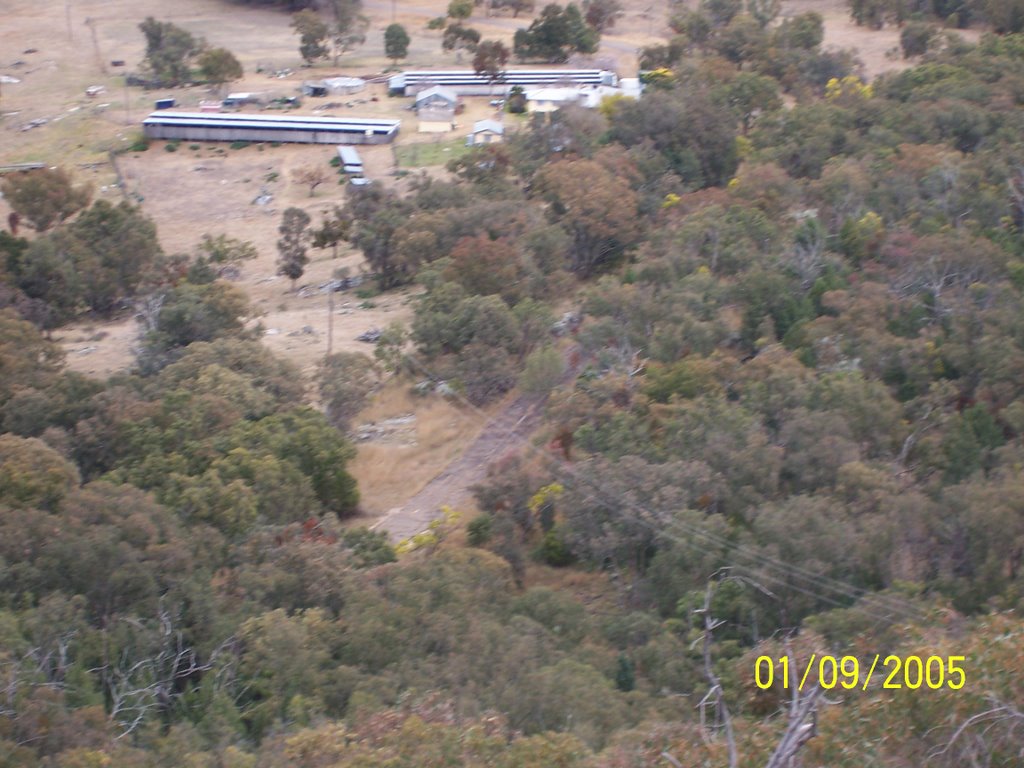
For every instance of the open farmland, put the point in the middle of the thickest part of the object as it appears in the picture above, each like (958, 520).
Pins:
(57, 50)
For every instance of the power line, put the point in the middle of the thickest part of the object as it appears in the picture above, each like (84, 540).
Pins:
(671, 530)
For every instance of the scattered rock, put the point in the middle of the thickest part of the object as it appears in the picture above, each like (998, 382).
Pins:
(399, 430)
(569, 323)
(371, 336)
(34, 123)
(341, 284)
(427, 387)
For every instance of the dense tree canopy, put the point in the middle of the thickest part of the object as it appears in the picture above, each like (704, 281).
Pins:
(313, 35)
(219, 66)
(102, 258)
(396, 42)
(773, 352)
(169, 51)
(556, 33)
(44, 197)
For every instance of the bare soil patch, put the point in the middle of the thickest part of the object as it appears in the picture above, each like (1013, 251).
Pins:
(212, 189)
(878, 50)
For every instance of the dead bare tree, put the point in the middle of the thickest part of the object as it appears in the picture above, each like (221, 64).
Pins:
(715, 696)
(802, 727)
(311, 176)
(152, 684)
(147, 311)
(976, 737)
(807, 257)
(942, 278)
(1015, 183)
(802, 710)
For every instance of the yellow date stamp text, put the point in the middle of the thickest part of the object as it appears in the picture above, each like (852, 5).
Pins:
(849, 672)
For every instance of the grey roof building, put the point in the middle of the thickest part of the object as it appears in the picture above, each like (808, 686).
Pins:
(201, 126)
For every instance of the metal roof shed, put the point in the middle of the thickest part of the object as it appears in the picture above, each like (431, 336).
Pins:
(351, 162)
(197, 126)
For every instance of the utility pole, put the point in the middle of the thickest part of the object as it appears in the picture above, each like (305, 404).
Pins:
(330, 319)
(67, 16)
(91, 24)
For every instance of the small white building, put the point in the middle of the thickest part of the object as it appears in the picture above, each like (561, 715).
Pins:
(589, 96)
(235, 100)
(486, 132)
(551, 99)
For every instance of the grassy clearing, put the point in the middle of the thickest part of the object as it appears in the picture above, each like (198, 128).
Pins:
(388, 474)
(425, 155)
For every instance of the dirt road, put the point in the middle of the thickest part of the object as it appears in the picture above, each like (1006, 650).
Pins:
(502, 433)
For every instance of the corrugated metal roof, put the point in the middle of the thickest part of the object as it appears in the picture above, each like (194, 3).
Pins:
(349, 156)
(437, 90)
(488, 125)
(554, 94)
(513, 77)
(243, 118)
(278, 122)
(421, 73)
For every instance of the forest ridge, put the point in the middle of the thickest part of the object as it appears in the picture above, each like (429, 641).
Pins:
(785, 418)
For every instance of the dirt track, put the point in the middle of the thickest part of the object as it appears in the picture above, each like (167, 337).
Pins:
(510, 426)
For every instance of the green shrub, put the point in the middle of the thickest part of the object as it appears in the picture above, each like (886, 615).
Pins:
(915, 38)
(239, 144)
(478, 532)
(369, 548)
(543, 370)
(554, 551)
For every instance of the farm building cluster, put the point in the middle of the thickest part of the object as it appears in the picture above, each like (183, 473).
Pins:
(466, 82)
(437, 95)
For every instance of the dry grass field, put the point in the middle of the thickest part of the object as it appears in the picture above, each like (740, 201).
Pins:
(59, 48)
(396, 466)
